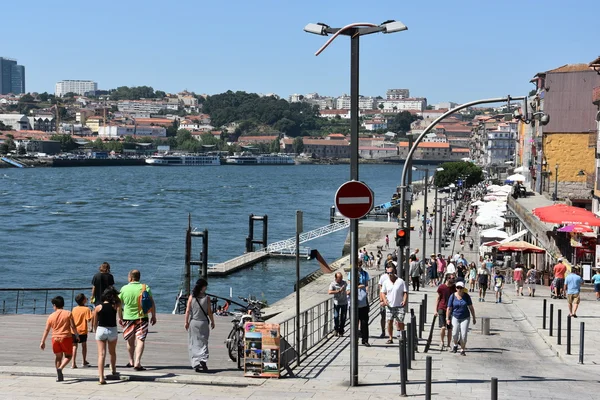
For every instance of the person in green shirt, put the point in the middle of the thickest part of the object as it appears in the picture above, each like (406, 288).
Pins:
(133, 319)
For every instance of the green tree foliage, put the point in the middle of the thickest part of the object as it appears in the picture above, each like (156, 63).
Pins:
(274, 147)
(69, 95)
(298, 145)
(3, 148)
(25, 104)
(208, 139)
(453, 171)
(5, 127)
(292, 118)
(401, 122)
(133, 93)
(21, 150)
(159, 94)
(172, 130)
(66, 142)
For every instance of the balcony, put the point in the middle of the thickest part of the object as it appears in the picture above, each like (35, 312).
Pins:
(596, 96)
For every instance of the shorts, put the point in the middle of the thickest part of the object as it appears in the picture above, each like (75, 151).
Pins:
(519, 284)
(394, 313)
(82, 339)
(63, 345)
(497, 289)
(137, 327)
(442, 318)
(596, 287)
(559, 283)
(107, 333)
(573, 298)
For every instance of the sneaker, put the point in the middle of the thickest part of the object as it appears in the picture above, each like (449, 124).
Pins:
(463, 353)
(455, 349)
(496, 301)
(59, 375)
(500, 300)
(382, 336)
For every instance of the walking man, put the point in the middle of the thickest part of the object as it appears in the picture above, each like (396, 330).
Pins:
(394, 296)
(340, 303)
(559, 274)
(384, 277)
(444, 291)
(134, 320)
(573, 287)
(363, 304)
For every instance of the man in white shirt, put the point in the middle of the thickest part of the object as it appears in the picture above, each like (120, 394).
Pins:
(384, 277)
(394, 296)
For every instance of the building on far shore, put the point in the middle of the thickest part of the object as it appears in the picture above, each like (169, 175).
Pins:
(117, 131)
(82, 88)
(321, 148)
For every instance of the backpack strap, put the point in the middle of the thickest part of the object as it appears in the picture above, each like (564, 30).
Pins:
(140, 309)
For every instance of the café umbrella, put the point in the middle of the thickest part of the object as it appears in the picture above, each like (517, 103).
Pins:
(575, 228)
(566, 215)
(520, 246)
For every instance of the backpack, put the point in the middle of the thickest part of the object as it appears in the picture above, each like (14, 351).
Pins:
(144, 301)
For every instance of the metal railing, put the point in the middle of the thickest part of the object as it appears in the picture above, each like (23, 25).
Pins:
(35, 300)
(307, 236)
(316, 323)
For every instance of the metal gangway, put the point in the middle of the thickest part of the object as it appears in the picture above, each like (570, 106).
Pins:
(278, 247)
(11, 162)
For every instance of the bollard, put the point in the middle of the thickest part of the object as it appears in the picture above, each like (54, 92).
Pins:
(424, 309)
(551, 318)
(415, 341)
(559, 327)
(428, 363)
(581, 339)
(421, 320)
(409, 347)
(485, 326)
(403, 370)
(494, 388)
(544, 315)
(569, 335)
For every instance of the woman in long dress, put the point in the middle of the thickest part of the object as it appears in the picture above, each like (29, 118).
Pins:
(198, 314)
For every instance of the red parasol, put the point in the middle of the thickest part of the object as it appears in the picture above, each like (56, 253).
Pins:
(566, 215)
(521, 246)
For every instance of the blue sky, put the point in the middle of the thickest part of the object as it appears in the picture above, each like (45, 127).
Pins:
(456, 51)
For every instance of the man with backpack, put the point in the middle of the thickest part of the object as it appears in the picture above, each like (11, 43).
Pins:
(137, 303)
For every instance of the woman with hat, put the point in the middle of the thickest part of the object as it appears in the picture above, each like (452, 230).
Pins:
(458, 314)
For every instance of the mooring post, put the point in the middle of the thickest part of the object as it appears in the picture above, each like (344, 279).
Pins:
(559, 327)
(428, 366)
(265, 230)
(581, 341)
(551, 318)
(403, 370)
(494, 388)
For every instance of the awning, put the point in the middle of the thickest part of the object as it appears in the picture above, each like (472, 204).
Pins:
(564, 214)
(514, 237)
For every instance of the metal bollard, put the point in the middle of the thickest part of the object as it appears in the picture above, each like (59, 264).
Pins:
(424, 309)
(428, 363)
(409, 347)
(569, 335)
(403, 370)
(415, 340)
(485, 326)
(559, 327)
(421, 320)
(494, 388)
(544, 316)
(581, 340)
(551, 318)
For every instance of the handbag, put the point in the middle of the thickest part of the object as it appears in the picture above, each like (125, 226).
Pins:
(362, 298)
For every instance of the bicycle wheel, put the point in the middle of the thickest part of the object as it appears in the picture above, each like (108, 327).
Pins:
(232, 344)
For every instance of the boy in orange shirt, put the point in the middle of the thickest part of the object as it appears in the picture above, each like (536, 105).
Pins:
(62, 325)
(82, 316)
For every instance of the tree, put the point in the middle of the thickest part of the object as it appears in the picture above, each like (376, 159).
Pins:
(160, 94)
(26, 104)
(453, 171)
(172, 129)
(69, 95)
(208, 139)
(66, 142)
(380, 106)
(286, 126)
(21, 150)
(401, 122)
(275, 147)
(43, 96)
(298, 145)
(5, 127)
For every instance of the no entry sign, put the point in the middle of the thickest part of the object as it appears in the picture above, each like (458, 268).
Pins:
(354, 199)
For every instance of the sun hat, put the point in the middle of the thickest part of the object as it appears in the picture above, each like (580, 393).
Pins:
(460, 284)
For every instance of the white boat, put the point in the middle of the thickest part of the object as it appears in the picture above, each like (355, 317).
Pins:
(260, 159)
(184, 160)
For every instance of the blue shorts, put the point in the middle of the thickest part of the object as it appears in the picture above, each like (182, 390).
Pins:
(596, 287)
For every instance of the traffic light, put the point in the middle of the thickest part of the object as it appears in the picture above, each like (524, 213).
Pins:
(402, 237)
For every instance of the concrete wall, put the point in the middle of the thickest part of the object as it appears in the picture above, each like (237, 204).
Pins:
(370, 232)
(572, 152)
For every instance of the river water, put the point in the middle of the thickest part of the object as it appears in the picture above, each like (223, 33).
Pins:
(60, 224)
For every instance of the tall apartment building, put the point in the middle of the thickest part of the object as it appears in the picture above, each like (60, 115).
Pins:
(82, 88)
(397, 94)
(364, 103)
(12, 76)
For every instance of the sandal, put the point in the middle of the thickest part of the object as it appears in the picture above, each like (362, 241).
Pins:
(140, 368)
(390, 341)
(128, 365)
(101, 382)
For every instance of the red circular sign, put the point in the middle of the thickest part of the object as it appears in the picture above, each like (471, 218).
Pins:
(354, 199)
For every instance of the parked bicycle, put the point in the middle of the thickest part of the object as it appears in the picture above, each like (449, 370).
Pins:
(251, 312)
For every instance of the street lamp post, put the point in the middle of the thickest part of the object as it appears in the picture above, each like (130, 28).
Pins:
(413, 148)
(354, 31)
(437, 214)
(555, 196)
